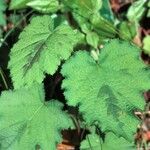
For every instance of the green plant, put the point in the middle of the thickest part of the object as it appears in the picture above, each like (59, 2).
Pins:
(105, 84)
(2, 16)
(41, 46)
(111, 142)
(146, 44)
(105, 97)
(29, 122)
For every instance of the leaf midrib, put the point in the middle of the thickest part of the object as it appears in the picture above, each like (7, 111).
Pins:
(29, 65)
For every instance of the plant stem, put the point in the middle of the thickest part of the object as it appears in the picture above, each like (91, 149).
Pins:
(17, 24)
(89, 142)
(3, 78)
(99, 137)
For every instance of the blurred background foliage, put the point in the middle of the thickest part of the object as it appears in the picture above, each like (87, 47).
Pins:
(98, 20)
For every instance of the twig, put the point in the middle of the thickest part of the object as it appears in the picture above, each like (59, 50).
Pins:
(17, 24)
(3, 78)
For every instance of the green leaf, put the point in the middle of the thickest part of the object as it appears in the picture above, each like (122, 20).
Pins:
(92, 142)
(85, 8)
(40, 49)
(26, 121)
(111, 142)
(106, 11)
(18, 4)
(114, 143)
(2, 9)
(136, 10)
(110, 89)
(92, 39)
(103, 27)
(45, 6)
(127, 30)
(146, 44)
(86, 13)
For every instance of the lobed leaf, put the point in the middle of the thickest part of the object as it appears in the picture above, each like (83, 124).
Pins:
(94, 142)
(27, 122)
(40, 49)
(108, 90)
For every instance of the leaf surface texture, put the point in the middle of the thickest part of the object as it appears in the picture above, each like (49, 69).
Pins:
(27, 122)
(110, 90)
(94, 142)
(40, 49)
